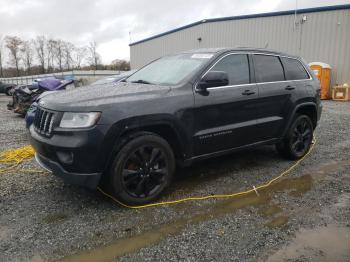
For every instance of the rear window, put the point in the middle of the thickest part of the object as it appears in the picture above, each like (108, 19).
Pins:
(294, 69)
(268, 68)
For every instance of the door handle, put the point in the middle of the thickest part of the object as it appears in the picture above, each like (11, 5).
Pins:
(248, 93)
(290, 87)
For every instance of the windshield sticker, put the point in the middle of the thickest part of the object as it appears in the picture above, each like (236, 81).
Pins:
(202, 56)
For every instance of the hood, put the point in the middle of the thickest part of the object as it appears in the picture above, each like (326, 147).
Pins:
(95, 96)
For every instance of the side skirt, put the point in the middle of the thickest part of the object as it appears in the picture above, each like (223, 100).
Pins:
(228, 151)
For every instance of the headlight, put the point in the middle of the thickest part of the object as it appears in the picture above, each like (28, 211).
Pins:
(79, 120)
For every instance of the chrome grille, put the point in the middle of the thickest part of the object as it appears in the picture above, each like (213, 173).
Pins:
(44, 121)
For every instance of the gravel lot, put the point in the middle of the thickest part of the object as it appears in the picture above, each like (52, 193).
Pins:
(304, 217)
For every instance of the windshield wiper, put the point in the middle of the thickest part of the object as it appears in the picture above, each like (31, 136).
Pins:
(140, 81)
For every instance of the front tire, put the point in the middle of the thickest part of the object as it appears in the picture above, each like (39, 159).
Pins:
(298, 140)
(142, 169)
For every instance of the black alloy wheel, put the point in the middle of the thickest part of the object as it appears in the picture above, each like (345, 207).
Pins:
(145, 171)
(142, 169)
(301, 137)
(298, 139)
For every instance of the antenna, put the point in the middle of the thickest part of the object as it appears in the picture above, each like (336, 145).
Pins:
(129, 37)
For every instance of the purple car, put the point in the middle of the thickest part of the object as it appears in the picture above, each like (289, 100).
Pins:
(106, 80)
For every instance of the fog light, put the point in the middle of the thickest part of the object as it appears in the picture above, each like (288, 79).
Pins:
(65, 157)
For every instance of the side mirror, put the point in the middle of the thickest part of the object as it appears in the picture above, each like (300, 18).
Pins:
(213, 79)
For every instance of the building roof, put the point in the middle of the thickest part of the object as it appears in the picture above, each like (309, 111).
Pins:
(241, 17)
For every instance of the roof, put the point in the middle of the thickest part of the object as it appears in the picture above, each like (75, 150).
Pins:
(234, 49)
(241, 17)
(321, 64)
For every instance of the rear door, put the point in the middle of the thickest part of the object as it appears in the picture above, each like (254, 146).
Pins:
(225, 117)
(276, 95)
(296, 72)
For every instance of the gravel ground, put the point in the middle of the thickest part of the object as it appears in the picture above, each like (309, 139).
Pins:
(43, 219)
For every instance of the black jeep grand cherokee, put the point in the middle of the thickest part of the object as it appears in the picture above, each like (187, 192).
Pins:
(194, 105)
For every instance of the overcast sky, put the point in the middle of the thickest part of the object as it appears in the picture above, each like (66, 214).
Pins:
(109, 22)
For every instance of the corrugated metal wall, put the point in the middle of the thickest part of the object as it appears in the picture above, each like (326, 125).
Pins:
(325, 37)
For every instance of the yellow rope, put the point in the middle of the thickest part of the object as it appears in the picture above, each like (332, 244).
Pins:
(14, 157)
(254, 189)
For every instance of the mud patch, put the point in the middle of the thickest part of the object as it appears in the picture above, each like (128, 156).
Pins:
(331, 243)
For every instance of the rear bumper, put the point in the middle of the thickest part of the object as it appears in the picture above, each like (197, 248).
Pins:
(90, 181)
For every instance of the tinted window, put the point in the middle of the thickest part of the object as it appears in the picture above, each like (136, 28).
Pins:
(237, 68)
(268, 68)
(294, 69)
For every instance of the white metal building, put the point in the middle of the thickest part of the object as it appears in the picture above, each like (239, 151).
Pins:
(316, 34)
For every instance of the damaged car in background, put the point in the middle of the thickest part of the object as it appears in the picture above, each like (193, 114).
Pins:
(6, 88)
(29, 117)
(24, 96)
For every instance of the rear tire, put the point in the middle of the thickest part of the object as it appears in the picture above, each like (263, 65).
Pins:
(142, 169)
(298, 139)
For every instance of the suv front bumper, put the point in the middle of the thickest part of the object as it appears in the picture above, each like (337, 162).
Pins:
(78, 157)
(90, 181)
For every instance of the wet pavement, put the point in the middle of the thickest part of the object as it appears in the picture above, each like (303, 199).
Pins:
(322, 244)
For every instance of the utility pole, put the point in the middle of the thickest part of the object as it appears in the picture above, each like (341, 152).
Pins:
(295, 14)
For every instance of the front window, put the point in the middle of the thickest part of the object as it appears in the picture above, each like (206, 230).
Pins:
(170, 70)
(237, 68)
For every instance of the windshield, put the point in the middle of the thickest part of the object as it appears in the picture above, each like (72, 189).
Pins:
(169, 70)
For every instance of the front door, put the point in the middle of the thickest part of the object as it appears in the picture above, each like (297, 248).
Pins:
(225, 117)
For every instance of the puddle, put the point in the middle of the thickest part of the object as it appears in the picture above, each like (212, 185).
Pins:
(331, 243)
(277, 222)
(208, 212)
(270, 211)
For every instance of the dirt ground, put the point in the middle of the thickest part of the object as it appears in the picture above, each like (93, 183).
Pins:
(303, 217)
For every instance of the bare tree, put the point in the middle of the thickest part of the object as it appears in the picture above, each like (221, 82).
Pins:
(40, 43)
(14, 43)
(94, 57)
(68, 54)
(50, 54)
(58, 53)
(79, 55)
(121, 65)
(27, 55)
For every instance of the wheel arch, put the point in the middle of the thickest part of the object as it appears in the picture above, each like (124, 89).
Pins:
(309, 109)
(166, 126)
